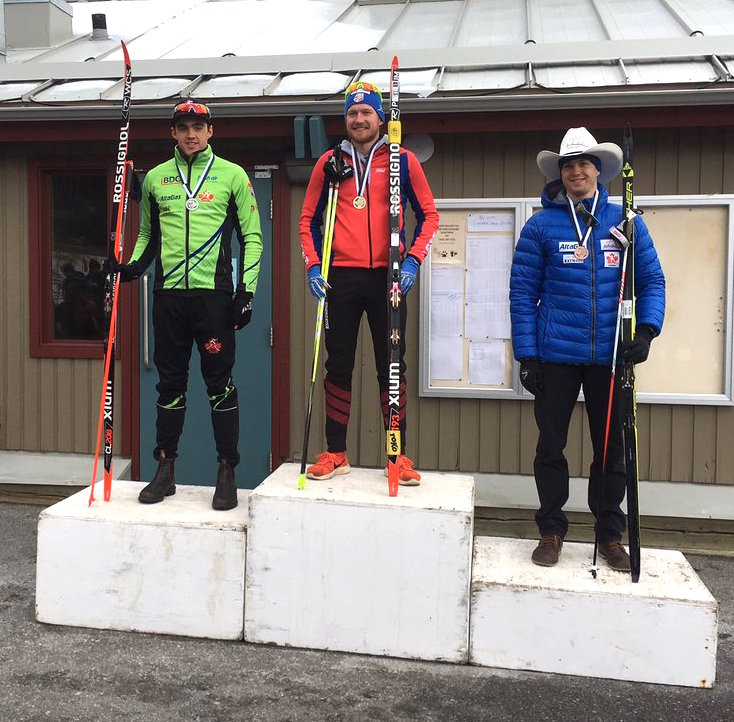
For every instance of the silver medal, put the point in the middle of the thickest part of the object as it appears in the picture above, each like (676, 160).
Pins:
(192, 204)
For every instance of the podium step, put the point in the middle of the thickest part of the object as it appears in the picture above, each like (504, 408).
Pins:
(560, 619)
(341, 565)
(177, 567)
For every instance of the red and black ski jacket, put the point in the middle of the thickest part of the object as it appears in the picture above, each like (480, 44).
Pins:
(362, 236)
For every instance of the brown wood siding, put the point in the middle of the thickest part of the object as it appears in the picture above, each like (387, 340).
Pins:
(676, 443)
(45, 404)
(52, 404)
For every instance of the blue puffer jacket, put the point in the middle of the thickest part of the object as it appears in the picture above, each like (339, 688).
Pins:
(564, 310)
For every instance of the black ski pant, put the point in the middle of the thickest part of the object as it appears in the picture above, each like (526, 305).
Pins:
(178, 322)
(553, 408)
(354, 292)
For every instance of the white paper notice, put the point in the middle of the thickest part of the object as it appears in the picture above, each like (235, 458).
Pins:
(446, 358)
(489, 251)
(487, 320)
(446, 279)
(446, 314)
(498, 221)
(487, 282)
(447, 322)
(487, 363)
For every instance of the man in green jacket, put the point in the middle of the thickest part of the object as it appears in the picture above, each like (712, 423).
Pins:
(191, 205)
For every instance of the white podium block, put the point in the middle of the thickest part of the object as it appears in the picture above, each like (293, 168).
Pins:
(177, 567)
(560, 619)
(341, 565)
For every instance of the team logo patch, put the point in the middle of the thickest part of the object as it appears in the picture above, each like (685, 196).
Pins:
(611, 259)
(213, 345)
(206, 196)
(609, 244)
(570, 258)
(358, 97)
(567, 246)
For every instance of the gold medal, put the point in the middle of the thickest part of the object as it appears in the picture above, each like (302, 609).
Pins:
(359, 202)
(581, 253)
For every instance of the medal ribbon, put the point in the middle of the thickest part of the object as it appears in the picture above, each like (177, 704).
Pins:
(360, 183)
(585, 237)
(189, 193)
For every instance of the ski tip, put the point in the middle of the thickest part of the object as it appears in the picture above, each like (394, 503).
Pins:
(635, 576)
(394, 61)
(125, 54)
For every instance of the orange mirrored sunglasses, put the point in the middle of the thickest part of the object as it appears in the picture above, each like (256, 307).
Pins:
(362, 85)
(191, 107)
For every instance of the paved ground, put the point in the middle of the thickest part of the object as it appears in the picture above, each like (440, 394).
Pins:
(64, 674)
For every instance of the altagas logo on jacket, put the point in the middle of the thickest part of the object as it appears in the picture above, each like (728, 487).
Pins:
(213, 345)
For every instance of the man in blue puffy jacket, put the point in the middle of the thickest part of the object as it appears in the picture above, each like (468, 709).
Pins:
(564, 296)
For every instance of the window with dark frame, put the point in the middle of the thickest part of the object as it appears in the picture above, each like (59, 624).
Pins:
(69, 204)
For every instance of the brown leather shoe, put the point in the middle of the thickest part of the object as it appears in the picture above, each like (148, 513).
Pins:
(225, 495)
(548, 551)
(616, 556)
(163, 483)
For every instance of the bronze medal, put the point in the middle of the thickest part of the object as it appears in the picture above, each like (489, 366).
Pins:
(359, 202)
(580, 252)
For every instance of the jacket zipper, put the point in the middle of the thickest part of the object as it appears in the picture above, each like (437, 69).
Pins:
(369, 224)
(190, 164)
(593, 295)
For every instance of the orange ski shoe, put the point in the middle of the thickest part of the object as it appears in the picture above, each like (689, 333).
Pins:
(407, 475)
(328, 465)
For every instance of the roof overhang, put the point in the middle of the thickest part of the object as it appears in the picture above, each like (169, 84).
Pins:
(454, 59)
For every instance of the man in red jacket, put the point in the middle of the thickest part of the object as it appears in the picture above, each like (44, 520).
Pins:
(359, 261)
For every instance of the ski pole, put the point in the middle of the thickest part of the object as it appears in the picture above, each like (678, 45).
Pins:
(325, 263)
(625, 243)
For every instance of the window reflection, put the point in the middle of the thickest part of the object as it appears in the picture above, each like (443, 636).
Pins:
(78, 249)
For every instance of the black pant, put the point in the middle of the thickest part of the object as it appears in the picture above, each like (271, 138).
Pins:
(553, 408)
(355, 291)
(178, 322)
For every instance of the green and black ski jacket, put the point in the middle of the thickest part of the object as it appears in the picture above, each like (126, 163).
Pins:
(192, 247)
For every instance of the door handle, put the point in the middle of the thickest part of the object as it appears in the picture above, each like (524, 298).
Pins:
(146, 330)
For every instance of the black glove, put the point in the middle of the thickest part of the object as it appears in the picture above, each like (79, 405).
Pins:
(335, 169)
(638, 348)
(531, 375)
(240, 312)
(126, 271)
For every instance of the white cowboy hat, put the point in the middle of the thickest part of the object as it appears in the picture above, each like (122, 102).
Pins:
(578, 141)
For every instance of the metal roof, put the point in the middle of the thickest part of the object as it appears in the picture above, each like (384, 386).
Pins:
(280, 57)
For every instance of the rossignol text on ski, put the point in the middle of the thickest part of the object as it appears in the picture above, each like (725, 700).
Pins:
(123, 172)
(394, 136)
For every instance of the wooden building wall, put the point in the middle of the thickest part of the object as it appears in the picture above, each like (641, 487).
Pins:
(52, 404)
(45, 404)
(676, 443)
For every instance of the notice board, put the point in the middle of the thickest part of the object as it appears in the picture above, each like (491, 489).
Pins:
(465, 331)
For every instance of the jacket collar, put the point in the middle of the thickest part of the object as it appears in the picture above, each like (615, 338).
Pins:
(554, 196)
(198, 157)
